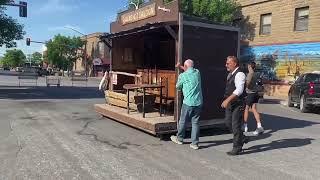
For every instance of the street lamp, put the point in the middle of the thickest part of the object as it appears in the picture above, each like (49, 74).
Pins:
(85, 47)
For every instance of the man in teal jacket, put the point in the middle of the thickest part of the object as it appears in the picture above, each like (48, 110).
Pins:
(190, 83)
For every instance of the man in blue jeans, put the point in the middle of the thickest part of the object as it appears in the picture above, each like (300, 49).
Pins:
(190, 83)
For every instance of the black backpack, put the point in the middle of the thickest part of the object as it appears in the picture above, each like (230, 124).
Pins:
(255, 83)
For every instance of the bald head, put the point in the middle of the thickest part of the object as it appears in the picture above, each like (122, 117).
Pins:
(188, 63)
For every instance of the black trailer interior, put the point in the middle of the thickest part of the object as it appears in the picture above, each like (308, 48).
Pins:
(209, 45)
(147, 47)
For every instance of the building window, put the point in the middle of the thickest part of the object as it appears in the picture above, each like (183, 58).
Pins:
(301, 21)
(265, 24)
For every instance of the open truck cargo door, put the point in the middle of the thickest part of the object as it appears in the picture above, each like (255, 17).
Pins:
(209, 45)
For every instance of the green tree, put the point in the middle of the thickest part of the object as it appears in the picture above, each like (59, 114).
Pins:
(220, 11)
(10, 29)
(36, 58)
(63, 51)
(13, 58)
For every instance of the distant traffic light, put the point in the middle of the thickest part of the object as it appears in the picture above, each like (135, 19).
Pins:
(23, 9)
(28, 40)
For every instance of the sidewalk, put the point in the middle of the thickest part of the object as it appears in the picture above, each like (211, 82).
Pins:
(6, 80)
(276, 100)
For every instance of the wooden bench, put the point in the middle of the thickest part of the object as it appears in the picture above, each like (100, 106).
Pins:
(78, 77)
(28, 76)
(53, 80)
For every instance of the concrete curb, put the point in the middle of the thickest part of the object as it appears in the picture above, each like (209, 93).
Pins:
(284, 102)
(276, 100)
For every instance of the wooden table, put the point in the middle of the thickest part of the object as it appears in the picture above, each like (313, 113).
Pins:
(129, 87)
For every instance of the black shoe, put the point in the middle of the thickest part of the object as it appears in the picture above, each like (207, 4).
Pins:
(235, 151)
(245, 140)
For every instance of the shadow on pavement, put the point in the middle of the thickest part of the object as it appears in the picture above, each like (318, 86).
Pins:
(20, 93)
(213, 143)
(270, 101)
(276, 123)
(279, 144)
(271, 124)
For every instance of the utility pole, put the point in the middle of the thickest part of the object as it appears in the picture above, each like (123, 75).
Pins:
(23, 7)
(29, 57)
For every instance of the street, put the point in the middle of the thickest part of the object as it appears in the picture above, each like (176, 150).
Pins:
(157, 58)
(54, 133)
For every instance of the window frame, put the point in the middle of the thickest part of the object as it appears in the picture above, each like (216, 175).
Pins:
(296, 18)
(264, 25)
(310, 76)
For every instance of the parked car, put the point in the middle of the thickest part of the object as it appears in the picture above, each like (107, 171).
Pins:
(19, 69)
(51, 71)
(305, 92)
(38, 70)
(42, 72)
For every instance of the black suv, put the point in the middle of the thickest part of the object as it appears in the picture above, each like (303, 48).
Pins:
(305, 92)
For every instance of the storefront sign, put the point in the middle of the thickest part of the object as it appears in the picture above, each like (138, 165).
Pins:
(139, 14)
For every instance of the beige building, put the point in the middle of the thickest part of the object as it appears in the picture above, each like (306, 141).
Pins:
(283, 36)
(98, 58)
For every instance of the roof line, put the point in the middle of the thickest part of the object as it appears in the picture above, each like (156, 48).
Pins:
(256, 3)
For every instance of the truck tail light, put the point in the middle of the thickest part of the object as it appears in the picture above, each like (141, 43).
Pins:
(311, 90)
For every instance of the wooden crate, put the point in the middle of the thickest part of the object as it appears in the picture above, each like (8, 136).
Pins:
(119, 98)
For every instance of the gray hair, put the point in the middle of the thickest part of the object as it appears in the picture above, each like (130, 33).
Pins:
(188, 63)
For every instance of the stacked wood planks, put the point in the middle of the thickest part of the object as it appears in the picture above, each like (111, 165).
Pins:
(119, 98)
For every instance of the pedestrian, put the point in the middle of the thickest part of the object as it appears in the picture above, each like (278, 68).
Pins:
(252, 88)
(190, 83)
(234, 104)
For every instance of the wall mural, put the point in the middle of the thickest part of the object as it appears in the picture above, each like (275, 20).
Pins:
(283, 62)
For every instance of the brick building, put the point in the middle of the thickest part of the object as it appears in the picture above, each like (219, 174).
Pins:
(283, 36)
(98, 57)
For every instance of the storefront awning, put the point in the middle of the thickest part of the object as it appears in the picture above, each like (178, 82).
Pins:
(140, 29)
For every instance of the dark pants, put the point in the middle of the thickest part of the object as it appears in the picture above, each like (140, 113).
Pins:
(189, 113)
(234, 121)
(252, 98)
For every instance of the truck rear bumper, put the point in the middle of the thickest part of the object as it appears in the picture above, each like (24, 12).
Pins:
(313, 101)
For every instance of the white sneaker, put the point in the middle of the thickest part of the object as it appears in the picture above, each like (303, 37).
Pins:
(258, 131)
(175, 140)
(194, 146)
(246, 129)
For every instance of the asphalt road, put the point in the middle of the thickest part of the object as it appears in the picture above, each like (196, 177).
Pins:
(55, 134)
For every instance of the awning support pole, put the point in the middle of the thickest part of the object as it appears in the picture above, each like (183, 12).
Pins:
(179, 47)
(171, 32)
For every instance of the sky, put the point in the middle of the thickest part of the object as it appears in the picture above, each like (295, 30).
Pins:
(47, 18)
